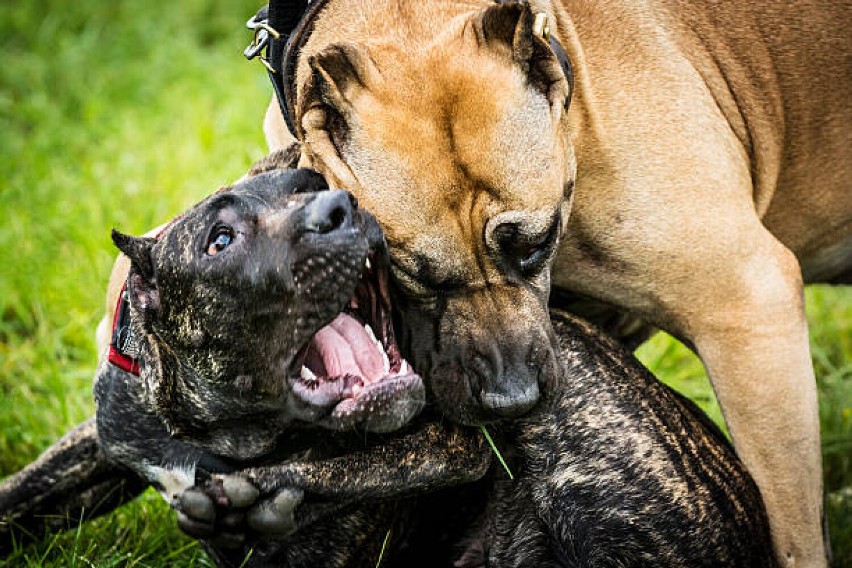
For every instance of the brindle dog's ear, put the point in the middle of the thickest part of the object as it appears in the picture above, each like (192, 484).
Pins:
(142, 286)
(508, 28)
(284, 159)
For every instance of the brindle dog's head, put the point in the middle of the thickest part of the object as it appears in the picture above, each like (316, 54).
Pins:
(266, 304)
(443, 118)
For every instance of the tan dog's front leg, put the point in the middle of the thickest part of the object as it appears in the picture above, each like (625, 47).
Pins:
(752, 335)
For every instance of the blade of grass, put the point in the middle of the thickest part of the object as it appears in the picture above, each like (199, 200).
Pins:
(497, 452)
(246, 559)
(384, 546)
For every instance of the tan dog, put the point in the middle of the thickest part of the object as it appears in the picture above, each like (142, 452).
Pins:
(711, 149)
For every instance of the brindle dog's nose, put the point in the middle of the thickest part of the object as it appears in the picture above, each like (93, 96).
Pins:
(329, 211)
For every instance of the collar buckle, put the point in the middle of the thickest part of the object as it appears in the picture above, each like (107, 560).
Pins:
(259, 24)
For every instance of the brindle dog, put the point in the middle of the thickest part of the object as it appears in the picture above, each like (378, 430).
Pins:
(638, 476)
(612, 469)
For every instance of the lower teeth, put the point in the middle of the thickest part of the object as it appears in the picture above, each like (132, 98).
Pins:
(379, 346)
(307, 374)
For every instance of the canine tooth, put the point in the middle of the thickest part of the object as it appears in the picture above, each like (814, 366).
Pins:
(370, 332)
(307, 374)
(367, 264)
(372, 335)
(379, 346)
(403, 369)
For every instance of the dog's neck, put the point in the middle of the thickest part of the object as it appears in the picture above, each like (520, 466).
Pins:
(176, 392)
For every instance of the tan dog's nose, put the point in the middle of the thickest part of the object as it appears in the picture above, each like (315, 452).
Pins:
(508, 372)
(495, 355)
(515, 399)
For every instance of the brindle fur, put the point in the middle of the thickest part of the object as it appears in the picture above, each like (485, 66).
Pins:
(71, 482)
(617, 469)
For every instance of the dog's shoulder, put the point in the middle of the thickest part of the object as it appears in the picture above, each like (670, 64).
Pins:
(285, 159)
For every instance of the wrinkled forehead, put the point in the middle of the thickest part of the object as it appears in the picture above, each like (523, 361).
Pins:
(468, 153)
(457, 127)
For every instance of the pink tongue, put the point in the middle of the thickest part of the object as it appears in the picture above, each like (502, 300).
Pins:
(346, 349)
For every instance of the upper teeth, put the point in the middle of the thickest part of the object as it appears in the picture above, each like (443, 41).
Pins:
(371, 334)
(403, 369)
(367, 264)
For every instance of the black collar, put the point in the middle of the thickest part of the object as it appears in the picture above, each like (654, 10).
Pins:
(282, 28)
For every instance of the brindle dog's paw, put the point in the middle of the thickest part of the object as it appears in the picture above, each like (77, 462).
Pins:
(216, 510)
(239, 492)
(196, 513)
(275, 517)
(226, 508)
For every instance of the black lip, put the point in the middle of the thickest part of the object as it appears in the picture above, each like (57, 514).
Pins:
(375, 238)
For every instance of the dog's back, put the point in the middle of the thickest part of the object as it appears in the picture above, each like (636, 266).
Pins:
(785, 94)
(618, 469)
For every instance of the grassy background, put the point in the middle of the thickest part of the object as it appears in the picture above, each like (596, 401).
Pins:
(122, 114)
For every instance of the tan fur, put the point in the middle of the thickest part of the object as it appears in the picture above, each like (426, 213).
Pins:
(712, 152)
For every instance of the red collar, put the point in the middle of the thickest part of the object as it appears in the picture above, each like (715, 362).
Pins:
(124, 345)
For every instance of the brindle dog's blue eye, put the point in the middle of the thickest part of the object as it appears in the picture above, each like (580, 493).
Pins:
(220, 239)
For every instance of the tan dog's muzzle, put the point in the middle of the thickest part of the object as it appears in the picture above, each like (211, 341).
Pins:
(489, 353)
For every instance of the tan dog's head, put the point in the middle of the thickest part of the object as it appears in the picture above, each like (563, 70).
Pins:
(444, 120)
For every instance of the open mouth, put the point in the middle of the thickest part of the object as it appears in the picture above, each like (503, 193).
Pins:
(353, 365)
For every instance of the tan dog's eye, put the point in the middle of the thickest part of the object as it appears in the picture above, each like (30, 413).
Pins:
(219, 240)
(527, 252)
(532, 255)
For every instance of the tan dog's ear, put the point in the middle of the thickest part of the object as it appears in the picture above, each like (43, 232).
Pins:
(507, 28)
(338, 74)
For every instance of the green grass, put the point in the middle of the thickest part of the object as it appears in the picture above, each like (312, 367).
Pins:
(122, 114)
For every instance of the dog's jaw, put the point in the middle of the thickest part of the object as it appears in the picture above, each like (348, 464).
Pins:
(351, 371)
